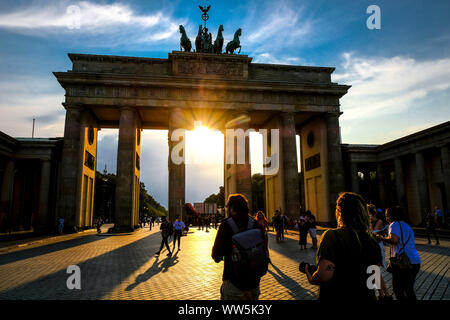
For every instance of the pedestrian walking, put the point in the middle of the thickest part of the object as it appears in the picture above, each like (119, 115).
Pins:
(166, 231)
(303, 228)
(312, 228)
(178, 227)
(242, 245)
(61, 225)
(345, 253)
(401, 237)
(285, 222)
(278, 225)
(431, 221)
(207, 223)
(438, 214)
(98, 222)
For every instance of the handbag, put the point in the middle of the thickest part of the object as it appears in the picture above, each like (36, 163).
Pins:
(401, 260)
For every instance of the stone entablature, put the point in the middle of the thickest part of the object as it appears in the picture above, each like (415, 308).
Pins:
(288, 73)
(28, 148)
(200, 65)
(103, 84)
(208, 93)
(119, 65)
(436, 136)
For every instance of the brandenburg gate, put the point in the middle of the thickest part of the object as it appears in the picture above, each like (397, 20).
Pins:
(132, 94)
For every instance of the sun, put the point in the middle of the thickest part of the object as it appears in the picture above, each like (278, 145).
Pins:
(204, 146)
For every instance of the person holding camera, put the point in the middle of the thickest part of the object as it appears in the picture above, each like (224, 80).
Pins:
(345, 253)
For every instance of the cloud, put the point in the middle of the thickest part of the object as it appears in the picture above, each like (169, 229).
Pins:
(275, 28)
(388, 86)
(269, 58)
(23, 98)
(116, 21)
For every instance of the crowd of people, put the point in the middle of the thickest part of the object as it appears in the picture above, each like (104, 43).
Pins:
(343, 256)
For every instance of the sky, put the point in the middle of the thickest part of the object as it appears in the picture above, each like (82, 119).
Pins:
(400, 73)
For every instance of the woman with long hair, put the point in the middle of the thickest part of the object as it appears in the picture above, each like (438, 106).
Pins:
(261, 218)
(345, 253)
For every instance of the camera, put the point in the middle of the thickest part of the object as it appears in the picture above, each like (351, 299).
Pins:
(311, 268)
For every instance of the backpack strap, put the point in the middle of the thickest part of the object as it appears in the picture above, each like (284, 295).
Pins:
(234, 226)
(404, 243)
(251, 223)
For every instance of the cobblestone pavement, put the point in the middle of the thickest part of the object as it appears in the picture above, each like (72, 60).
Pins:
(125, 267)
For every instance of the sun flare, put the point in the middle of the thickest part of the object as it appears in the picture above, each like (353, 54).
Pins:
(204, 146)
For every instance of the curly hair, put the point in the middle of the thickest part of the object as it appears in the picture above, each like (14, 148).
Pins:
(351, 211)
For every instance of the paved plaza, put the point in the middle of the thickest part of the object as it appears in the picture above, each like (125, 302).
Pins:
(125, 267)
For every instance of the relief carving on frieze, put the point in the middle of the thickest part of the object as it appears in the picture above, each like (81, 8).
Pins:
(99, 91)
(204, 68)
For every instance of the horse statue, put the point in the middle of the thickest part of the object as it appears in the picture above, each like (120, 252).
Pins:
(185, 43)
(218, 43)
(234, 44)
(210, 48)
(198, 40)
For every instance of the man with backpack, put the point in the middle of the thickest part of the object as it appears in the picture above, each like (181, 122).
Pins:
(166, 231)
(242, 245)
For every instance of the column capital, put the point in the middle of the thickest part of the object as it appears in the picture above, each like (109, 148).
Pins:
(72, 106)
(125, 108)
(287, 113)
(329, 115)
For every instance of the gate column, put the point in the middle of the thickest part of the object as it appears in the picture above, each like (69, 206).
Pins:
(78, 164)
(290, 165)
(128, 171)
(334, 156)
(177, 168)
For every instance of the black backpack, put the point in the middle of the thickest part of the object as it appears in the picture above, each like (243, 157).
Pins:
(249, 255)
(166, 229)
(169, 229)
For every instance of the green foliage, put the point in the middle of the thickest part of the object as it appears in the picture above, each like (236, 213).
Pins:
(104, 200)
(218, 198)
(258, 192)
(148, 205)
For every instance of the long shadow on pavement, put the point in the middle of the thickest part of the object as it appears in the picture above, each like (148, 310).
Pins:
(295, 290)
(157, 267)
(45, 249)
(288, 247)
(99, 275)
(433, 249)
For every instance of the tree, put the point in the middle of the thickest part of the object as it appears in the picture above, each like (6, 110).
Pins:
(217, 198)
(104, 199)
(148, 205)
(258, 192)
